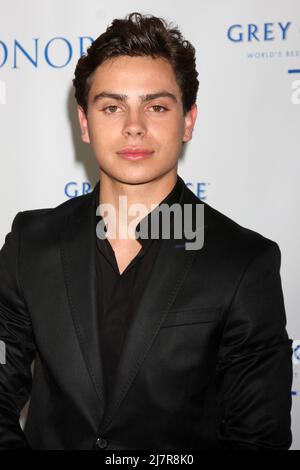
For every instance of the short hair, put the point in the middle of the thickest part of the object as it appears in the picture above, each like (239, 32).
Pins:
(140, 35)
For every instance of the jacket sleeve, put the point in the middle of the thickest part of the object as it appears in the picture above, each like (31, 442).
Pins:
(17, 344)
(255, 371)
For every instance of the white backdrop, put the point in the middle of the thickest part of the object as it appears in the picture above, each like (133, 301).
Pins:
(244, 157)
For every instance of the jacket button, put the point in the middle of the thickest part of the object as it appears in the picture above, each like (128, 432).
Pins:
(101, 443)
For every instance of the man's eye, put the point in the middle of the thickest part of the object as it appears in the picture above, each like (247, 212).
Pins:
(112, 109)
(109, 107)
(159, 107)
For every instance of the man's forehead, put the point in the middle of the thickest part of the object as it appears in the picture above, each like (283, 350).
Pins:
(137, 59)
(142, 84)
(140, 69)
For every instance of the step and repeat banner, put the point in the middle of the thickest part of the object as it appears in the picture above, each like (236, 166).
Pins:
(244, 157)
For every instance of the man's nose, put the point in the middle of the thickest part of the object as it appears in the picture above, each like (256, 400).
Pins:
(134, 124)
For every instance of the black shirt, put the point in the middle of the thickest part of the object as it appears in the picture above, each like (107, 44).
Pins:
(118, 294)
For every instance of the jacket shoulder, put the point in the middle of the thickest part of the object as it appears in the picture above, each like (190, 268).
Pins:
(51, 220)
(223, 229)
(237, 243)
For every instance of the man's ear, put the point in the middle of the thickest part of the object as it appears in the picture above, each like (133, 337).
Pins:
(83, 125)
(190, 119)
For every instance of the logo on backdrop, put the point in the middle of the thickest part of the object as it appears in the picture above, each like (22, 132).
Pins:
(259, 32)
(56, 52)
(75, 188)
(79, 188)
(257, 35)
(296, 352)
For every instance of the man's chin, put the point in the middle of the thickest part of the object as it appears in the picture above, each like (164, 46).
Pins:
(133, 178)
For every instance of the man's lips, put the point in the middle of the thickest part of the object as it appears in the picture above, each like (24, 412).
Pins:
(135, 153)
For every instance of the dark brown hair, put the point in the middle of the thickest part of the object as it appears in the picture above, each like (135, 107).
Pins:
(140, 35)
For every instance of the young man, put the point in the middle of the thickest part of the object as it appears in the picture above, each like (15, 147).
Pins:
(141, 343)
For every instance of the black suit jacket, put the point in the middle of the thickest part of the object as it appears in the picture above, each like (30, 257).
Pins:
(207, 362)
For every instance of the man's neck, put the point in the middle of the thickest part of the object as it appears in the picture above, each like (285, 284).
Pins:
(148, 194)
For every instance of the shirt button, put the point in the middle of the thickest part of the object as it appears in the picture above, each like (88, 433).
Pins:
(101, 443)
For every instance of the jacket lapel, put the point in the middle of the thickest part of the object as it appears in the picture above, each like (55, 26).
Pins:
(155, 303)
(78, 259)
(169, 271)
(171, 267)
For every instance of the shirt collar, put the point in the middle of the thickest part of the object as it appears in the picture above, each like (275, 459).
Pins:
(174, 196)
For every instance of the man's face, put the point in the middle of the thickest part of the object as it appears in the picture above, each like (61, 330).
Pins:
(156, 124)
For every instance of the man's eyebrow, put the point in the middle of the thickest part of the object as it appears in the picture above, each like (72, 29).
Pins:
(143, 98)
